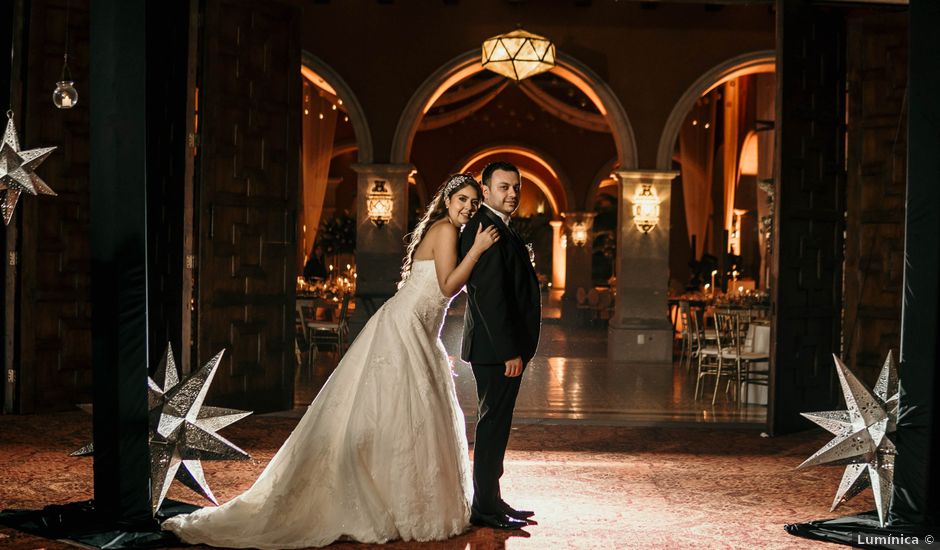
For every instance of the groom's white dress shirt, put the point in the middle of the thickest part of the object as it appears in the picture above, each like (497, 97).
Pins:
(502, 216)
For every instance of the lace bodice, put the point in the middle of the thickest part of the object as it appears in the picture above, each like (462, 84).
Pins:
(420, 296)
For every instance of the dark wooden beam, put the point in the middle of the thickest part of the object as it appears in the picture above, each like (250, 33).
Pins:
(916, 480)
(12, 27)
(119, 259)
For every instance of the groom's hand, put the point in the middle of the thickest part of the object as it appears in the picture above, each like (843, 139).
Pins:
(514, 367)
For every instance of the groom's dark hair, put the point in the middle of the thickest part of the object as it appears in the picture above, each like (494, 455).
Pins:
(494, 166)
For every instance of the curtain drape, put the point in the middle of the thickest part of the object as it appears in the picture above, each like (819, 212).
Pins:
(734, 95)
(766, 90)
(697, 157)
(319, 127)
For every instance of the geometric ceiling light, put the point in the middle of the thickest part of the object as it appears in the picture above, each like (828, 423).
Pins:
(518, 54)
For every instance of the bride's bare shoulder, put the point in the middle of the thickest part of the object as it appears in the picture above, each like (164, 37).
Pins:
(442, 229)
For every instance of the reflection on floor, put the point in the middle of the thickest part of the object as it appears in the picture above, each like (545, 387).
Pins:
(592, 487)
(571, 380)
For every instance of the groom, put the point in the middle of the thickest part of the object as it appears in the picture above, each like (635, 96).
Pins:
(501, 332)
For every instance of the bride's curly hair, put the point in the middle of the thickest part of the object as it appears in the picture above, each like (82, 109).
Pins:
(436, 210)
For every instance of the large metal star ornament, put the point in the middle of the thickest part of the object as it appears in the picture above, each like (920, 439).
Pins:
(183, 431)
(861, 441)
(16, 171)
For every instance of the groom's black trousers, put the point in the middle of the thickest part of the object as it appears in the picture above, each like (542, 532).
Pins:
(497, 398)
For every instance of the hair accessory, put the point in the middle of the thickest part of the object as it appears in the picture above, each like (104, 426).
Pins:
(458, 181)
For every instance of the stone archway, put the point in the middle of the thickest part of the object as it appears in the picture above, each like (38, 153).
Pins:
(546, 174)
(562, 199)
(468, 64)
(755, 62)
(357, 116)
(315, 162)
(568, 69)
(604, 174)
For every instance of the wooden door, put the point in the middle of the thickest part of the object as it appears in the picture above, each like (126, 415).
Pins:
(249, 117)
(167, 179)
(806, 278)
(877, 170)
(53, 287)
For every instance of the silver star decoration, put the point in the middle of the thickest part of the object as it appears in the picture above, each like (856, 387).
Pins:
(182, 430)
(861, 441)
(16, 171)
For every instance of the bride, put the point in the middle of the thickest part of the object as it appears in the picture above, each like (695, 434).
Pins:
(381, 453)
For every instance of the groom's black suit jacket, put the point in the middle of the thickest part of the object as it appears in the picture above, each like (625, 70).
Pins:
(504, 309)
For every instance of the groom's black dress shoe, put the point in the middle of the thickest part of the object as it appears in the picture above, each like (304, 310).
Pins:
(517, 514)
(496, 521)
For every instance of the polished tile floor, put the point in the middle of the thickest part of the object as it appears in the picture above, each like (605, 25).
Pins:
(571, 381)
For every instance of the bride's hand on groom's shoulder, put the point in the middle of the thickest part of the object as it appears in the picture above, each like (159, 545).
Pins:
(485, 238)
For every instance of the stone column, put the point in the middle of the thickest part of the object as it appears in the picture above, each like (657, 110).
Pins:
(379, 250)
(640, 330)
(558, 256)
(577, 265)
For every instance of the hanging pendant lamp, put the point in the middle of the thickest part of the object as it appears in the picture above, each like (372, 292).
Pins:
(518, 54)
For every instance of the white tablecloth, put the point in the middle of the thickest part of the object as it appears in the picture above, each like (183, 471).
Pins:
(759, 336)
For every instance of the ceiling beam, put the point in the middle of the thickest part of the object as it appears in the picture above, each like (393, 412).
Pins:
(652, 3)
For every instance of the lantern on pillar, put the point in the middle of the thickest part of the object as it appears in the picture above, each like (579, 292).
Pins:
(579, 227)
(518, 54)
(579, 233)
(645, 207)
(379, 203)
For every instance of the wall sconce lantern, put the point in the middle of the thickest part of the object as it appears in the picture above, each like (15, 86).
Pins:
(579, 233)
(645, 207)
(379, 203)
(579, 227)
(518, 54)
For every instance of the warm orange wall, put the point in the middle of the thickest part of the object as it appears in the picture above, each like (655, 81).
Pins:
(649, 56)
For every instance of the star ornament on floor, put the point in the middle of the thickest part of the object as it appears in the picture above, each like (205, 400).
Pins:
(17, 171)
(183, 431)
(861, 436)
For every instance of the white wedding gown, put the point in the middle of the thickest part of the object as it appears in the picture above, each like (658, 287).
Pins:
(380, 454)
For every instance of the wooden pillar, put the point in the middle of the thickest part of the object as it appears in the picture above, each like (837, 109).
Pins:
(809, 212)
(119, 259)
(916, 478)
(12, 21)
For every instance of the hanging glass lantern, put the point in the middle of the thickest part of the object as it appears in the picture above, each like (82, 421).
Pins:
(65, 96)
(518, 54)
